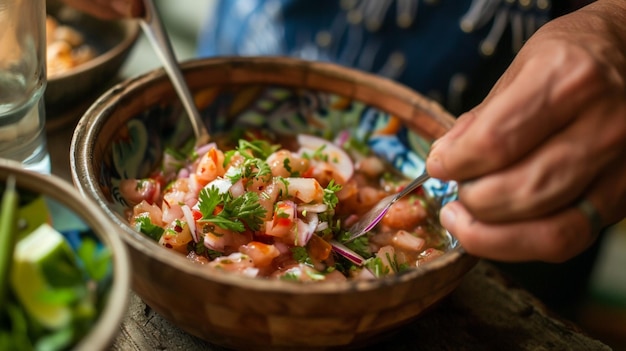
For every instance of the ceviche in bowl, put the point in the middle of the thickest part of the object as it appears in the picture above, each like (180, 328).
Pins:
(277, 206)
(251, 229)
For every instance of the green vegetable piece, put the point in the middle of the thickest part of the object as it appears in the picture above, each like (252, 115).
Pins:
(8, 228)
(45, 247)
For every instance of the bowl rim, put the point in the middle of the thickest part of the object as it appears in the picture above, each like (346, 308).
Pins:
(106, 327)
(91, 123)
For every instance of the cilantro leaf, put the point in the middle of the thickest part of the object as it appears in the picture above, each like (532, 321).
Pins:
(145, 225)
(259, 148)
(236, 212)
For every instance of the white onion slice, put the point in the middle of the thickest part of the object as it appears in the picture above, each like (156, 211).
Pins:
(190, 222)
(312, 208)
(221, 184)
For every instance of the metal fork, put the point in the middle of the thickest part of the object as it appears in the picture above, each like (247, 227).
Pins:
(369, 220)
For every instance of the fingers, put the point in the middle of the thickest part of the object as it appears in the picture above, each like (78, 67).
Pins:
(543, 98)
(553, 238)
(553, 175)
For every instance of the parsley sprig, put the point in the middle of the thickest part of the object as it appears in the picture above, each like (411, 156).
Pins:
(231, 213)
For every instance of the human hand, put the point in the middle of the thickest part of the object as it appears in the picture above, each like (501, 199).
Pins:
(107, 9)
(551, 133)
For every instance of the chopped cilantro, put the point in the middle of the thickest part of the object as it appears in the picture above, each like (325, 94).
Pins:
(234, 213)
(259, 148)
(290, 276)
(376, 266)
(145, 225)
(330, 195)
(300, 254)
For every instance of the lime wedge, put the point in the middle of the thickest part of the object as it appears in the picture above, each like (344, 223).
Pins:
(36, 256)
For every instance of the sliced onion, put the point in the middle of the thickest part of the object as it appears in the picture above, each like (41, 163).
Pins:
(221, 184)
(183, 173)
(237, 189)
(321, 226)
(305, 231)
(305, 189)
(347, 253)
(312, 208)
(342, 138)
(190, 222)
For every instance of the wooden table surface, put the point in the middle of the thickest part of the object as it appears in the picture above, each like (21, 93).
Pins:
(486, 312)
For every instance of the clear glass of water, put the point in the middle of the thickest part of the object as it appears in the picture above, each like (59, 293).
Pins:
(23, 82)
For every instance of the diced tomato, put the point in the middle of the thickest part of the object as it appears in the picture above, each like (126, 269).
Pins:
(308, 173)
(197, 215)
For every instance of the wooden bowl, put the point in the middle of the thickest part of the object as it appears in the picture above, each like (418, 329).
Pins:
(70, 213)
(112, 41)
(124, 132)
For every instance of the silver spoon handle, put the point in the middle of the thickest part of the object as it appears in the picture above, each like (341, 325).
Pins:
(414, 184)
(155, 32)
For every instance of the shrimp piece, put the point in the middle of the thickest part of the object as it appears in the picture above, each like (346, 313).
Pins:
(371, 166)
(261, 254)
(283, 220)
(406, 213)
(307, 190)
(361, 201)
(269, 195)
(135, 191)
(152, 211)
(176, 236)
(404, 240)
(387, 255)
(299, 272)
(284, 163)
(210, 166)
(68, 35)
(427, 256)
(236, 262)
(223, 240)
(181, 191)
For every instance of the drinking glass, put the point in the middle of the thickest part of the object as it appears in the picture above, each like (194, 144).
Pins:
(22, 83)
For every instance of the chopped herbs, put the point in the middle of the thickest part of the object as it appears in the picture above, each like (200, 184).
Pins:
(231, 213)
(145, 225)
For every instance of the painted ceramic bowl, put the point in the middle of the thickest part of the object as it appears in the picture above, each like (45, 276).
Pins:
(99, 305)
(123, 135)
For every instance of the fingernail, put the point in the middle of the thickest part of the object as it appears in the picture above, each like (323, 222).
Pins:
(447, 216)
(434, 144)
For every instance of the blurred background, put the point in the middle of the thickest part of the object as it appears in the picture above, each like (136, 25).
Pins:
(603, 314)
